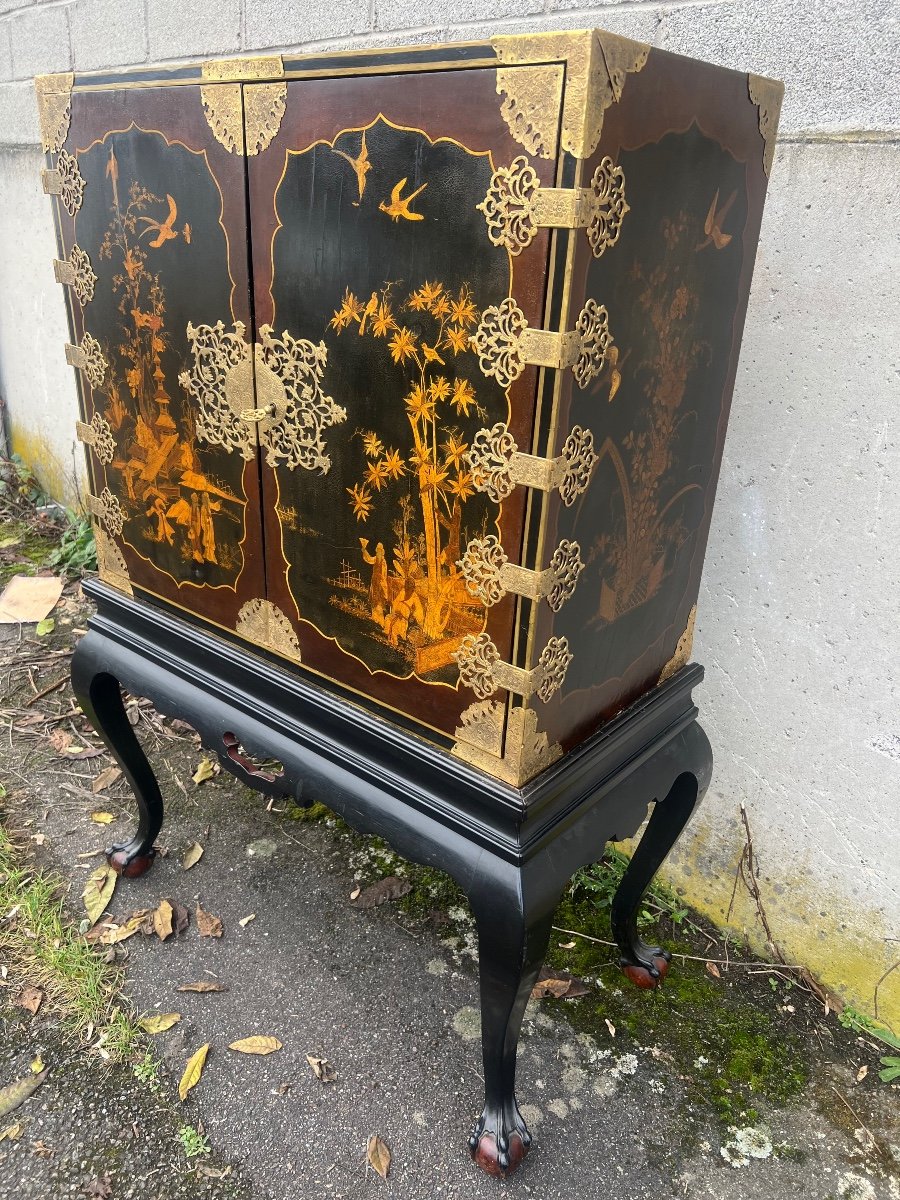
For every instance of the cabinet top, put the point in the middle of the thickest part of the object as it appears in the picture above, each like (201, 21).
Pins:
(596, 64)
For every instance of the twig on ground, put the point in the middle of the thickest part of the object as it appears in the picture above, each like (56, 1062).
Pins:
(891, 968)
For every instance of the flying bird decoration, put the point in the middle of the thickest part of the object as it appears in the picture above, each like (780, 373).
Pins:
(112, 172)
(361, 167)
(400, 208)
(712, 226)
(164, 230)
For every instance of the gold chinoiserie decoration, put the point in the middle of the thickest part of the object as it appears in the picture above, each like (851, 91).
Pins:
(516, 206)
(506, 344)
(264, 624)
(111, 565)
(682, 655)
(54, 100)
(767, 94)
(64, 180)
(77, 273)
(497, 464)
(530, 106)
(597, 64)
(489, 574)
(483, 670)
(243, 119)
(524, 751)
(273, 388)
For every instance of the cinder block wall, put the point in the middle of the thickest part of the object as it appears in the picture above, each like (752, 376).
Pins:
(798, 621)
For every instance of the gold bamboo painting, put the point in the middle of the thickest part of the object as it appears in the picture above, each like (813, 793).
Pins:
(399, 259)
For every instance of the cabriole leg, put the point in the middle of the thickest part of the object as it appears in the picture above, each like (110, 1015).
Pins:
(645, 965)
(100, 698)
(512, 942)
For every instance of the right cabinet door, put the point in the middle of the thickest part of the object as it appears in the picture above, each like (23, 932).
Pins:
(372, 257)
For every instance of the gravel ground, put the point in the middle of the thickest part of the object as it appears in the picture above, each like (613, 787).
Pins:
(390, 1002)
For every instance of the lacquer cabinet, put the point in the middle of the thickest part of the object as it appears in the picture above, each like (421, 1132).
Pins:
(404, 380)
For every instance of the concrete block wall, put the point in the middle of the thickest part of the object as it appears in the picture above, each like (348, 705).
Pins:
(797, 622)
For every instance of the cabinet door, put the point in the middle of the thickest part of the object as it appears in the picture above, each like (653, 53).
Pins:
(373, 259)
(153, 232)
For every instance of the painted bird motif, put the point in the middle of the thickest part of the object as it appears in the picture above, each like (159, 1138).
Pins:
(360, 165)
(164, 230)
(400, 208)
(112, 172)
(712, 226)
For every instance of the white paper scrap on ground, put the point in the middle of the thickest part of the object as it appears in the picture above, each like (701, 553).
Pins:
(28, 598)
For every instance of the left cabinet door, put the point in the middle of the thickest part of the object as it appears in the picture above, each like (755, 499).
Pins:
(152, 230)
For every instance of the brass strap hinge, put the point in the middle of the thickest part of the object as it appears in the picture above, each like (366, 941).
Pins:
(89, 358)
(108, 510)
(483, 670)
(98, 435)
(506, 344)
(64, 180)
(516, 206)
(489, 574)
(497, 464)
(54, 100)
(77, 273)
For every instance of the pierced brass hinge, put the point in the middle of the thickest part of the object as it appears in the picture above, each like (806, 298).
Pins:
(99, 436)
(108, 510)
(77, 273)
(64, 180)
(516, 206)
(505, 343)
(483, 670)
(497, 464)
(489, 574)
(88, 357)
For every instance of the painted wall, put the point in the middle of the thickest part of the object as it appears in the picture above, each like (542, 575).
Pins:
(798, 620)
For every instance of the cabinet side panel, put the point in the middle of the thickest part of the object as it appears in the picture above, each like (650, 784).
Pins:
(675, 283)
(154, 256)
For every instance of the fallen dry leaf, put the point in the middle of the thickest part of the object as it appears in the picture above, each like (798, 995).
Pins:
(107, 776)
(159, 1023)
(37, 1065)
(192, 855)
(566, 945)
(355, 892)
(206, 770)
(610, 1027)
(861, 1074)
(258, 1044)
(378, 1155)
(559, 984)
(321, 1068)
(103, 818)
(180, 917)
(714, 970)
(18, 1092)
(245, 921)
(208, 925)
(41, 1149)
(66, 746)
(162, 920)
(98, 1189)
(30, 998)
(214, 1172)
(193, 1071)
(204, 985)
(12, 1133)
(98, 891)
(381, 891)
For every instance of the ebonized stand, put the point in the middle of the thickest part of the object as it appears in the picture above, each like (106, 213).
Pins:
(512, 852)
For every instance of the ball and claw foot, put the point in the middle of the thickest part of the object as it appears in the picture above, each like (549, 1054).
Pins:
(129, 861)
(499, 1142)
(646, 967)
